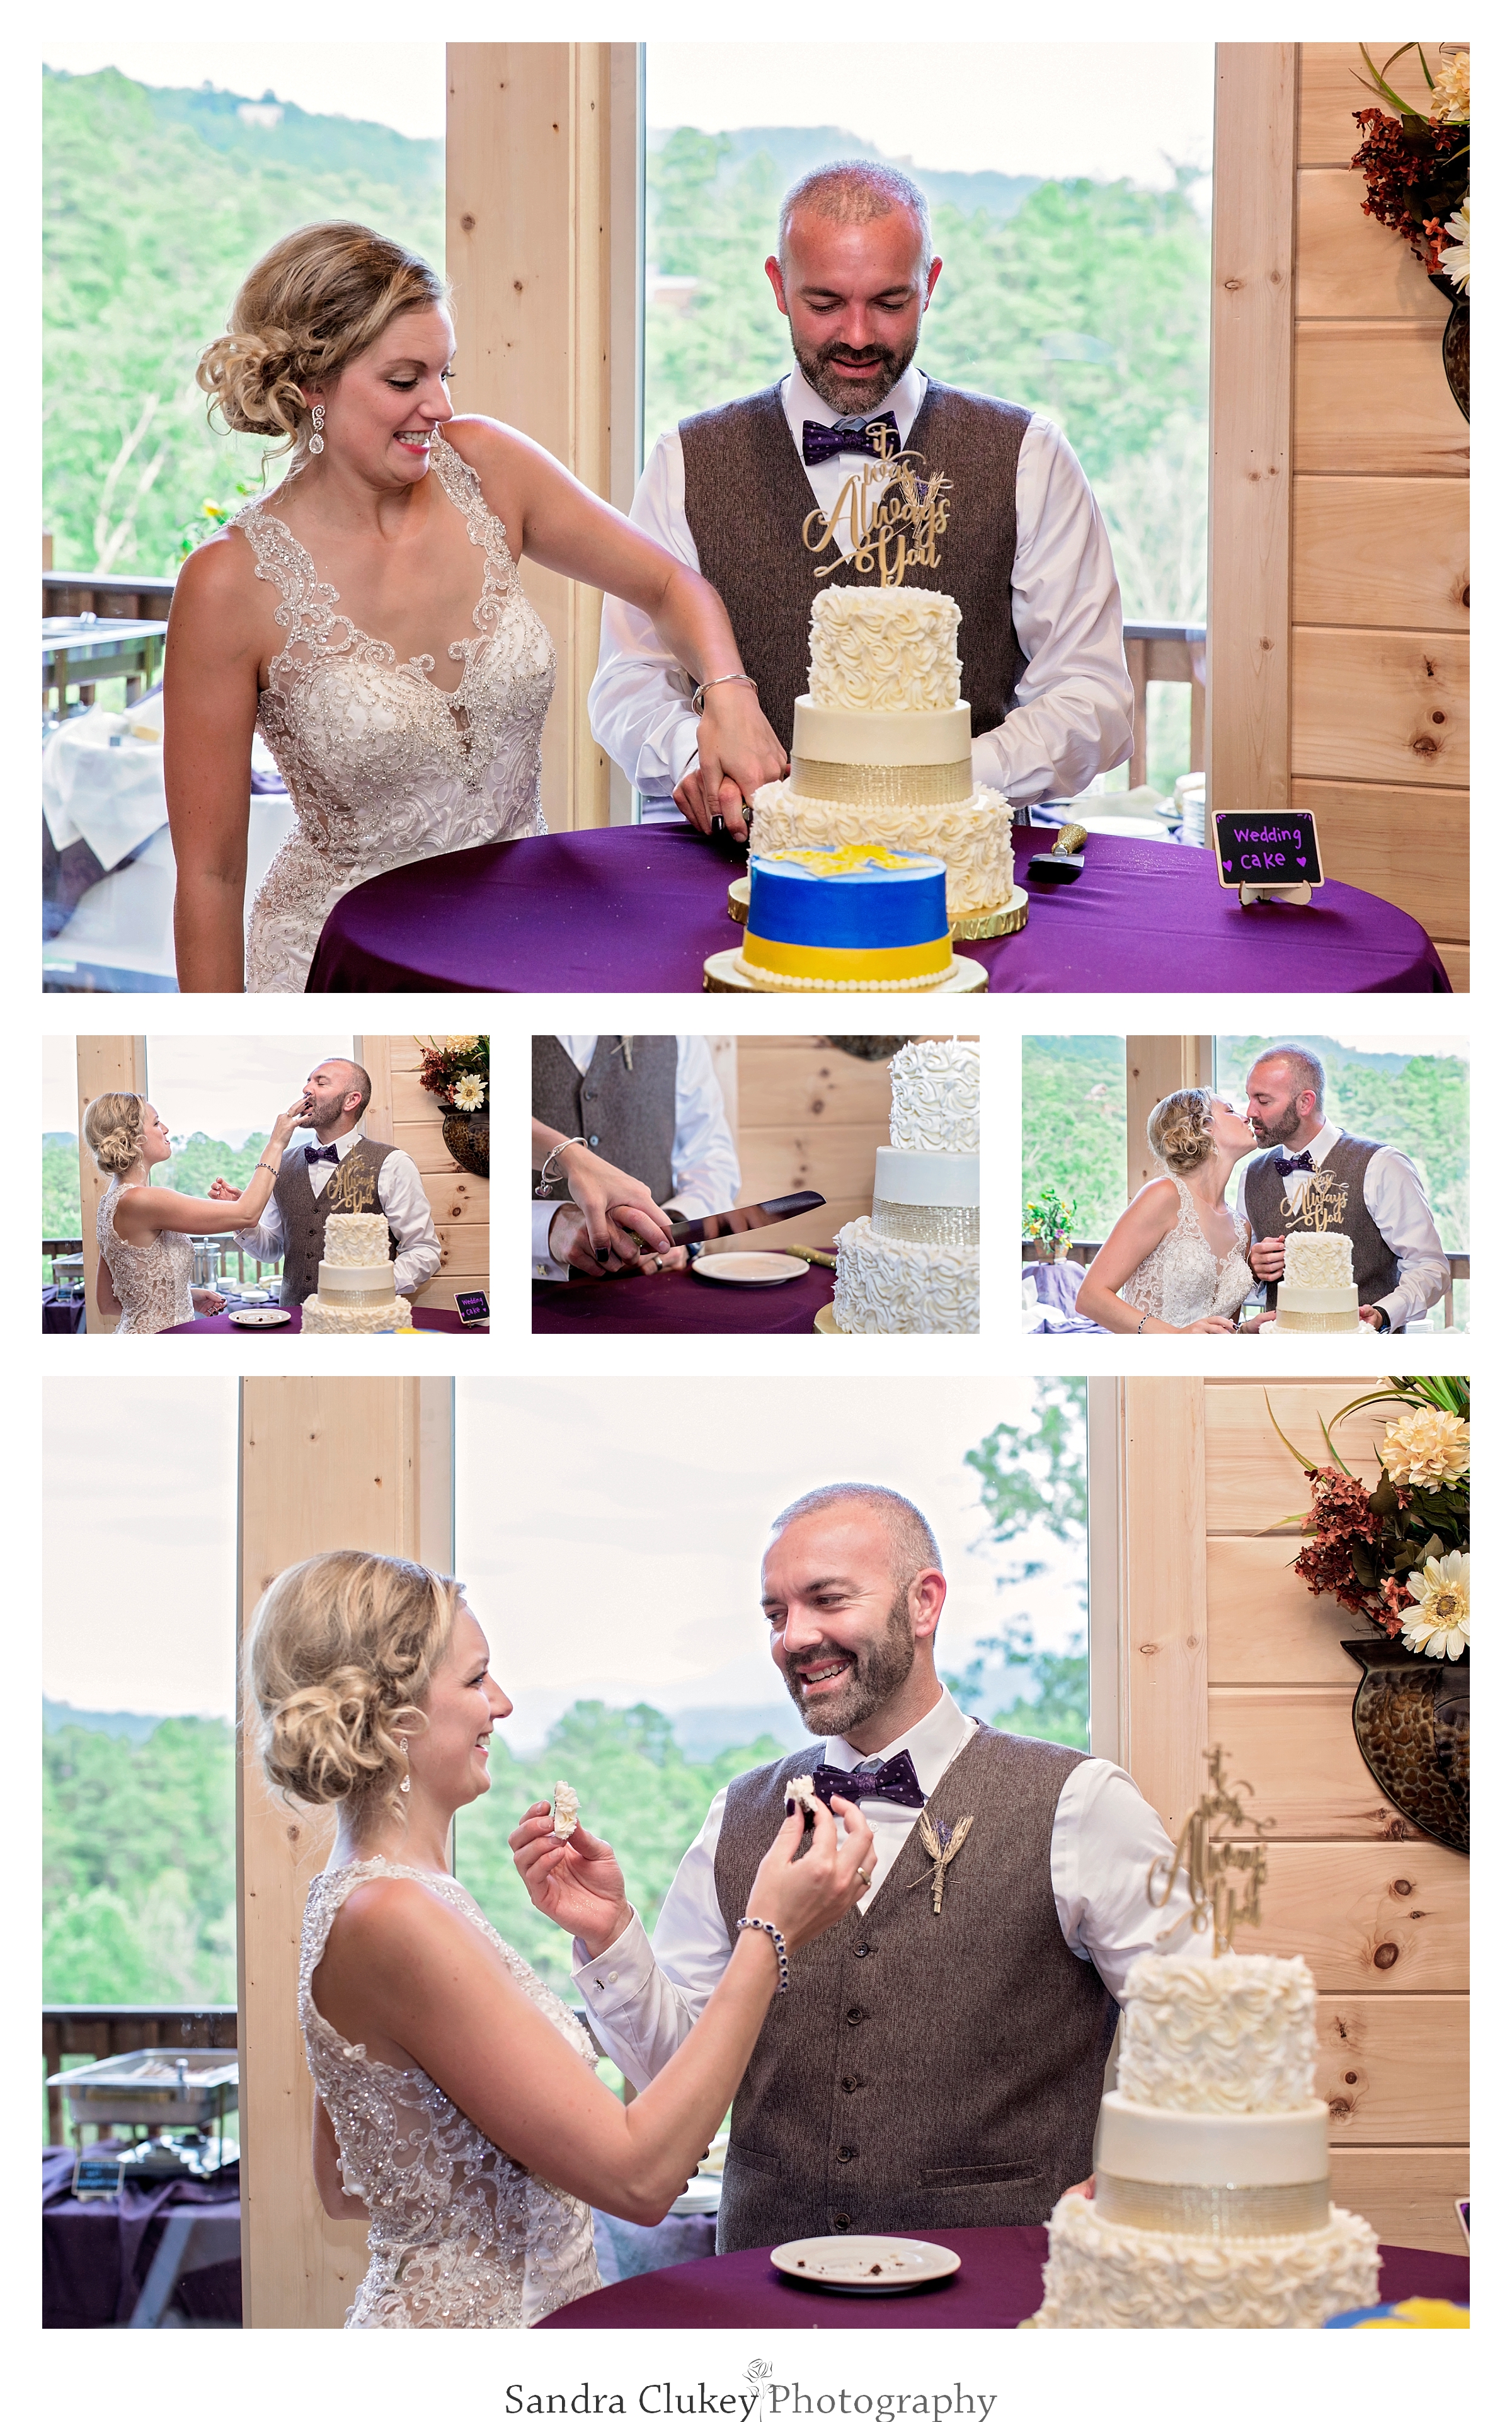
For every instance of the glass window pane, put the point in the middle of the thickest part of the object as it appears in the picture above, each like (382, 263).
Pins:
(1075, 1129)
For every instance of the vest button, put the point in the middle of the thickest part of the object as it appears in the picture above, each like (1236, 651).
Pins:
(862, 1950)
(849, 2085)
(845, 2153)
(854, 2015)
(593, 1139)
(839, 2221)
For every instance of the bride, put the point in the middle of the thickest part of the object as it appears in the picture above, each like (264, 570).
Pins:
(1177, 1259)
(319, 616)
(457, 2110)
(144, 1231)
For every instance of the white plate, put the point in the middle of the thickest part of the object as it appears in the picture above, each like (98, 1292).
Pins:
(270, 1317)
(750, 1269)
(865, 2266)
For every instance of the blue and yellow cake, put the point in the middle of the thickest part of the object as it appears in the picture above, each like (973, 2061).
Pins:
(862, 918)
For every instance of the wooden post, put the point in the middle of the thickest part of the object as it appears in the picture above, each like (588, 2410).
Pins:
(542, 251)
(325, 1463)
(1155, 1065)
(1163, 1592)
(107, 1063)
(403, 1113)
(1249, 573)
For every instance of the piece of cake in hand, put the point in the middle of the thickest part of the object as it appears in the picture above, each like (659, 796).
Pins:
(563, 1811)
(801, 1794)
(1212, 2209)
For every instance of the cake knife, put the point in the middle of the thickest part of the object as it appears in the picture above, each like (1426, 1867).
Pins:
(746, 1216)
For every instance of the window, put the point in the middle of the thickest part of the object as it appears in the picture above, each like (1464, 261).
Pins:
(1076, 1127)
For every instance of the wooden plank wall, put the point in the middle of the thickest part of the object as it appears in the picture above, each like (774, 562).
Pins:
(402, 1113)
(1153, 1066)
(107, 1063)
(1381, 538)
(1379, 1913)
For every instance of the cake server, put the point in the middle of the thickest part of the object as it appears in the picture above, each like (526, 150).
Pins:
(744, 1217)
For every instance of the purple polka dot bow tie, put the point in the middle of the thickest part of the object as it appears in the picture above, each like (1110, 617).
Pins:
(314, 1153)
(855, 434)
(895, 1779)
(1286, 1168)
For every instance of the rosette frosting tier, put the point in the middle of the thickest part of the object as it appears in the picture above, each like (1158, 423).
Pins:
(913, 1266)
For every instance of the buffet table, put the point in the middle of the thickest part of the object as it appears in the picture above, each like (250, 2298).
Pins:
(426, 1316)
(638, 908)
(998, 2286)
(120, 2263)
(675, 1303)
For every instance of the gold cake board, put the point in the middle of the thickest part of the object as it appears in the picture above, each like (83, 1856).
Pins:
(981, 925)
(825, 1323)
(722, 974)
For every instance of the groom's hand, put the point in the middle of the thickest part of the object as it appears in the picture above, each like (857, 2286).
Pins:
(577, 1883)
(1267, 1257)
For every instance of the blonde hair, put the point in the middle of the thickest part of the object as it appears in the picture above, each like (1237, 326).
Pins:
(114, 1126)
(339, 1658)
(310, 305)
(1180, 1129)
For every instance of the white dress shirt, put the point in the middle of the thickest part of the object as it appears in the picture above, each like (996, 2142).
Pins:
(706, 1166)
(1103, 1838)
(1074, 717)
(1396, 1200)
(402, 1200)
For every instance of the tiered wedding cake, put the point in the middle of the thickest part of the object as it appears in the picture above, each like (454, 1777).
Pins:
(1212, 2206)
(1318, 1291)
(356, 1280)
(882, 747)
(914, 1266)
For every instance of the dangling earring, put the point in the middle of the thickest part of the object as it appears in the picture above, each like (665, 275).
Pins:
(317, 446)
(402, 1742)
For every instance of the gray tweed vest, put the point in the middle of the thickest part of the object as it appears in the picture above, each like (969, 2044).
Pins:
(629, 1115)
(920, 2071)
(352, 1185)
(1376, 1266)
(747, 498)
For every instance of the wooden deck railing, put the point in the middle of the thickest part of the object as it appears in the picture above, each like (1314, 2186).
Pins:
(1166, 652)
(93, 2031)
(115, 596)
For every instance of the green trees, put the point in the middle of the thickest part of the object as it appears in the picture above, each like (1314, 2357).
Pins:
(1034, 1478)
(1075, 1124)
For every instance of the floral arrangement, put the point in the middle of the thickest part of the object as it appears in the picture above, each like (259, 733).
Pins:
(1048, 1217)
(454, 1067)
(1417, 164)
(1400, 1552)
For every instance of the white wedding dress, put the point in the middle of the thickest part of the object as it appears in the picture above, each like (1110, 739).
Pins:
(151, 1281)
(462, 2238)
(382, 766)
(1183, 1279)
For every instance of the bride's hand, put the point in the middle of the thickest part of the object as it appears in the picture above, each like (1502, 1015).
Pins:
(804, 1897)
(738, 751)
(1207, 1328)
(577, 1883)
(284, 1125)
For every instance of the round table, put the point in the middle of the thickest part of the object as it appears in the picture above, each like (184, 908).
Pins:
(998, 2286)
(425, 1316)
(675, 1303)
(638, 908)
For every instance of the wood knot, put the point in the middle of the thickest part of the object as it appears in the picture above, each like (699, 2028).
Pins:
(1425, 745)
(1351, 2077)
(1233, 285)
(519, 286)
(468, 222)
(1398, 1831)
(1386, 1955)
(1464, 597)
(1340, 2106)
(1403, 1886)
(1149, 1648)
(1438, 716)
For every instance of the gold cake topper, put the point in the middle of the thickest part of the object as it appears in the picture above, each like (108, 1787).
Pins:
(1320, 1204)
(1225, 1876)
(352, 1186)
(895, 512)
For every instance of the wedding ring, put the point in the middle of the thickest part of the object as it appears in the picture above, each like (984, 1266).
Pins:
(657, 1259)
(863, 1879)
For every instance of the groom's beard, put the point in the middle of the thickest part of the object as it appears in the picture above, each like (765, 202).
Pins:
(879, 1673)
(847, 396)
(1279, 1129)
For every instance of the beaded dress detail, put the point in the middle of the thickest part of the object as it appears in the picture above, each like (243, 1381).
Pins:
(151, 1281)
(382, 766)
(1183, 1279)
(462, 2238)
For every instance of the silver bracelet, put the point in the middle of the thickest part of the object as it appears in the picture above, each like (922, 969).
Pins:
(762, 1926)
(704, 688)
(1141, 1324)
(548, 1181)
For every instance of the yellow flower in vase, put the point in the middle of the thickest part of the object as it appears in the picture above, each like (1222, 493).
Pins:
(1441, 1590)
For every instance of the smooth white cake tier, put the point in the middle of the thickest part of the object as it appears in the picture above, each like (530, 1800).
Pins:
(888, 648)
(973, 837)
(888, 1286)
(852, 735)
(1213, 2148)
(1237, 2034)
(936, 1096)
(342, 1281)
(1105, 2275)
(928, 1177)
(1318, 1258)
(355, 1239)
(355, 1319)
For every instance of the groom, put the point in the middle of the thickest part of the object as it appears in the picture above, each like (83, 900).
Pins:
(1025, 553)
(937, 2059)
(1379, 1203)
(342, 1170)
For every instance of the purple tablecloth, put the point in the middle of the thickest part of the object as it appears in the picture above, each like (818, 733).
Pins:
(638, 908)
(95, 2256)
(61, 1319)
(998, 2286)
(675, 1303)
(426, 1316)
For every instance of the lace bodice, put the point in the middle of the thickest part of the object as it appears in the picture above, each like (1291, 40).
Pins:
(1183, 1279)
(461, 2235)
(382, 766)
(151, 1281)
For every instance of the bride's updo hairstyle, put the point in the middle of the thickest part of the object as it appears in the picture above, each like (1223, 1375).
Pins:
(1180, 1129)
(338, 1663)
(114, 1126)
(318, 299)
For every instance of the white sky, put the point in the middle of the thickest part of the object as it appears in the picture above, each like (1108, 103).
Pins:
(402, 84)
(609, 1532)
(226, 1085)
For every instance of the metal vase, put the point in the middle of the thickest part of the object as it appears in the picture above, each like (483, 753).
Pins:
(1456, 341)
(464, 1133)
(1411, 1723)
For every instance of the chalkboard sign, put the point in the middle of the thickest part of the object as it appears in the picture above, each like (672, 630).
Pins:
(472, 1308)
(1269, 852)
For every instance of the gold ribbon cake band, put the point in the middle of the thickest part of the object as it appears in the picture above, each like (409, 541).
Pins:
(1223, 2213)
(925, 1223)
(882, 786)
(364, 1296)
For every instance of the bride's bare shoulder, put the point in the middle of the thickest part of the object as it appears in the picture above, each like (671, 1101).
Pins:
(1158, 1200)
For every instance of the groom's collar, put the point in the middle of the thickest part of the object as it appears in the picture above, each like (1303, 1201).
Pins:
(800, 404)
(934, 1743)
(1320, 1147)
